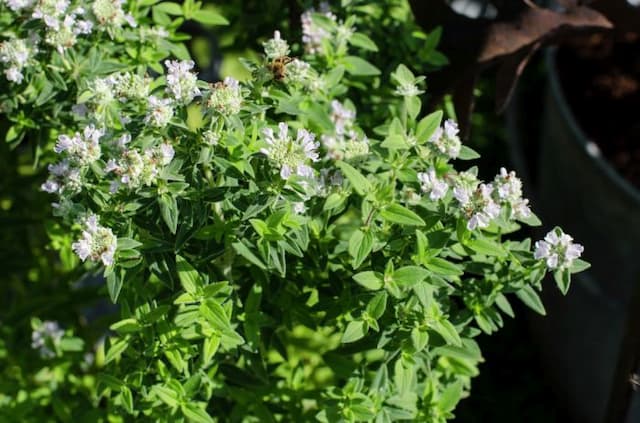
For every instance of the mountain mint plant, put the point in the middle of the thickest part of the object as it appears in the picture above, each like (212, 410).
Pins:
(270, 258)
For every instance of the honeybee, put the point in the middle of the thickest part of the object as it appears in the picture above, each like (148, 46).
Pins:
(278, 67)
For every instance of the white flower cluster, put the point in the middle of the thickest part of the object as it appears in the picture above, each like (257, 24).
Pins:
(476, 200)
(312, 34)
(483, 202)
(82, 148)
(110, 15)
(557, 250)
(182, 84)
(430, 184)
(299, 72)
(445, 140)
(345, 142)
(226, 97)
(408, 89)
(14, 54)
(98, 243)
(508, 190)
(18, 5)
(63, 177)
(135, 169)
(291, 155)
(276, 47)
(63, 23)
(159, 111)
(45, 337)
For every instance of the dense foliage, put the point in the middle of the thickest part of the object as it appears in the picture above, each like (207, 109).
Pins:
(273, 257)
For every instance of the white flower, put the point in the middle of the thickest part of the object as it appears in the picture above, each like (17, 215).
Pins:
(226, 97)
(15, 54)
(312, 35)
(45, 338)
(82, 148)
(508, 193)
(341, 117)
(276, 47)
(557, 250)
(210, 138)
(408, 90)
(345, 142)
(98, 243)
(135, 169)
(159, 112)
(299, 207)
(475, 200)
(298, 72)
(110, 15)
(446, 141)
(51, 12)
(431, 184)
(18, 5)
(181, 82)
(291, 155)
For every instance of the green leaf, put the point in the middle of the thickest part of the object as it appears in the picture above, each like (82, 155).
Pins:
(370, 280)
(72, 344)
(531, 299)
(209, 17)
(127, 399)
(446, 329)
(403, 75)
(359, 67)
(355, 330)
(419, 339)
(360, 40)
(428, 125)
(360, 245)
(215, 314)
(450, 396)
(116, 349)
(128, 244)
(195, 414)
(359, 183)
(129, 325)
(503, 303)
(377, 305)
(410, 275)
(169, 211)
(467, 153)
(396, 213)
(443, 267)
(579, 266)
(563, 280)
(166, 395)
(114, 284)
(170, 8)
(189, 277)
(245, 252)
(487, 247)
(532, 220)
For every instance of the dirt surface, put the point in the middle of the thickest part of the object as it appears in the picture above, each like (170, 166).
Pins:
(601, 79)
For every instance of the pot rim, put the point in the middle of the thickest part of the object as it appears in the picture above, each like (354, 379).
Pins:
(579, 135)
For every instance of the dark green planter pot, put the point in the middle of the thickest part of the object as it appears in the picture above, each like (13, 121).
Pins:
(581, 336)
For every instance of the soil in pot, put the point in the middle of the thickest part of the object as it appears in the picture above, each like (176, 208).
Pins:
(600, 76)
